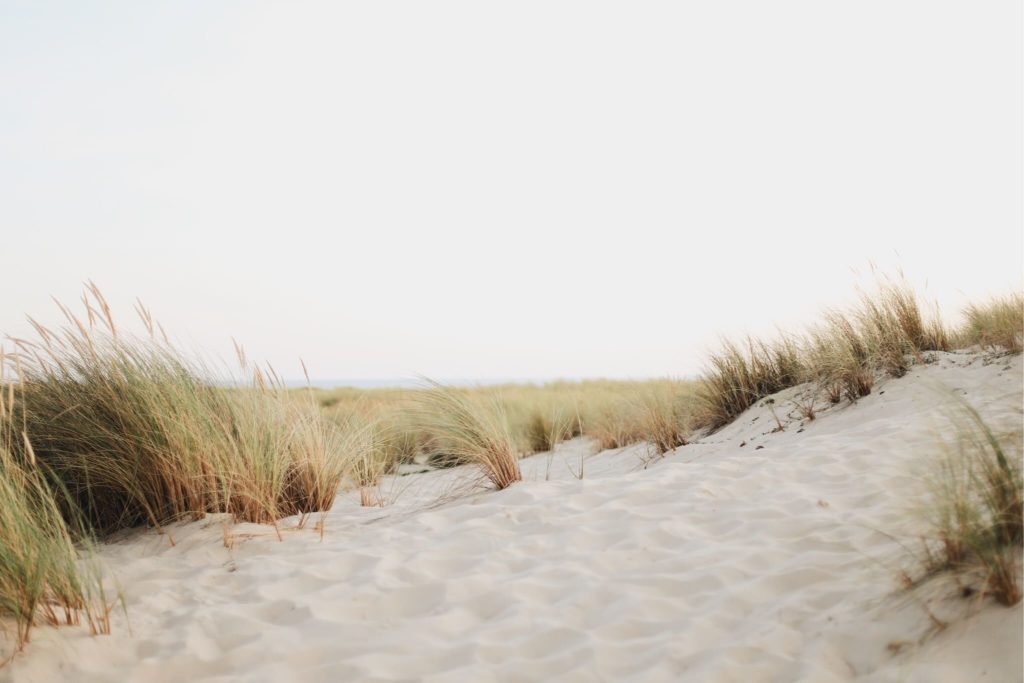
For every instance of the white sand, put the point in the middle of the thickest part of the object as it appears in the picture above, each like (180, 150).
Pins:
(716, 563)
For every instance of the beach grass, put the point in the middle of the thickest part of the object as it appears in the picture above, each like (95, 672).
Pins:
(473, 430)
(997, 323)
(883, 335)
(47, 571)
(139, 434)
(977, 515)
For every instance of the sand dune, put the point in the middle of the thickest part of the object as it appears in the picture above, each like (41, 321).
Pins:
(746, 556)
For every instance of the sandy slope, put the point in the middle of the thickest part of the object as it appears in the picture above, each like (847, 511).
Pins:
(720, 562)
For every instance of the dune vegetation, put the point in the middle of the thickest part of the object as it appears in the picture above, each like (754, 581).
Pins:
(138, 434)
(103, 430)
(977, 510)
(884, 335)
(995, 324)
(44, 576)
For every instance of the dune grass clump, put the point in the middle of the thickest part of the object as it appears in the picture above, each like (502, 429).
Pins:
(377, 446)
(397, 441)
(894, 331)
(613, 422)
(978, 516)
(465, 430)
(838, 359)
(998, 323)
(545, 430)
(542, 416)
(666, 412)
(44, 576)
(139, 434)
(373, 459)
(739, 376)
(659, 412)
(539, 417)
(886, 333)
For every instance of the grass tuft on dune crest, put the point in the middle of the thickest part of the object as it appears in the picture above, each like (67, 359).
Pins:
(739, 376)
(997, 323)
(886, 333)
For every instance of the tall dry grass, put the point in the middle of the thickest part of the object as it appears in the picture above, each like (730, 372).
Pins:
(540, 417)
(893, 329)
(666, 413)
(977, 513)
(838, 359)
(886, 333)
(545, 430)
(139, 434)
(996, 323)
(739, 376)
(614, 413)
(45, 576)
(464, 429)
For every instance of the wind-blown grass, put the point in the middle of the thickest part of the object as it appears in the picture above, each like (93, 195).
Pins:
(998, 323)
(467, 431)
(838, 359)
(739, 376)
(613, 419)
(885, 334)
(977, 516)
(107, 431)
(893, 329)
(43, 576)
(546, 429)
(614, 413)
(138, 434)
(666, 413)
(540, 417)
(373, 455)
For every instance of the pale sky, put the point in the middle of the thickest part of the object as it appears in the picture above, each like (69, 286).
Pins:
(517, 190)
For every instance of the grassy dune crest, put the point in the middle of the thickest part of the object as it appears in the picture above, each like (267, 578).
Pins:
(997, 323)
(885, 334)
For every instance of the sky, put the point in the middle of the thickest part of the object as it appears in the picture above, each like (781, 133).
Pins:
(523, 190)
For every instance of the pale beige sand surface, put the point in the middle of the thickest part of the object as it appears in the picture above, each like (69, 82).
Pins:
(720, 562)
